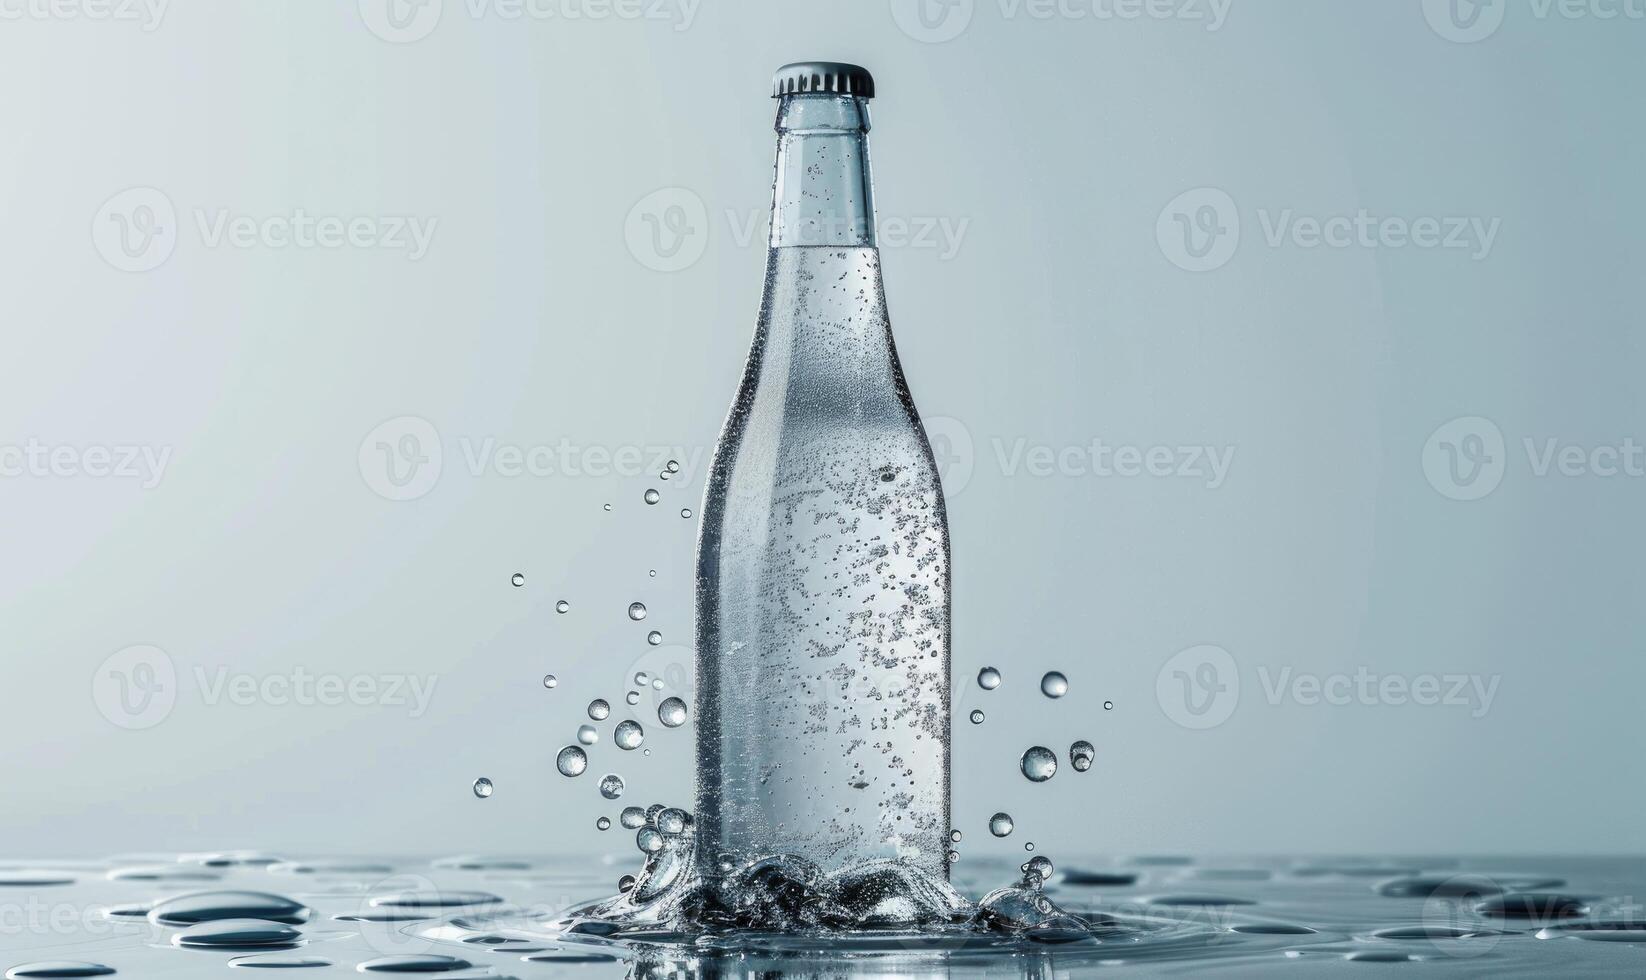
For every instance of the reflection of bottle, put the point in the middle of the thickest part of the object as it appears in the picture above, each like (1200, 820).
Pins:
(823, 561)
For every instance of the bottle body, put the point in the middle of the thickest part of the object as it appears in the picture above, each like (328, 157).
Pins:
(823, 591)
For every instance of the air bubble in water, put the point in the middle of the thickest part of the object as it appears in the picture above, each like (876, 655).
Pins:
(988, 678)
(977, 716)
(1039, 764)
(482, 787)
(562, 607)
(672, 821)
(632, 818)
(686, 512)
(1054, 684)
(599, 710)
(954, 856)
(633, 697)
(663, 475)
(1081, 755)
(517, 579)
(654, 637)
(641, 678)
(652, 573)
(1029, 846)
(652, 496)
(604, 823)
(1108, 706)
(955, 836)
(637, 611)
(550, 681)
(672, 712)
(648, 840)
(673, 466)
(611, 786)
(657, 683)
(1001, 825)
(571, 761)
(628, 735)
(587, 734)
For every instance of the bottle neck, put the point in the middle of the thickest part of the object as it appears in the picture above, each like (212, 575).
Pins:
(823, 193)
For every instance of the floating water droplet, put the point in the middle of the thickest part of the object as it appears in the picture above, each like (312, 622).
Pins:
(988, 678)
(604, 823)
(1108, 706)
(611, 786)
(1054, 684)
(672, 712)
(633, 697)
(637, 611)
(198, 907)
(1081, 755)
(652, 573)
(648, 840)
(632, 818)
(977, 716)
(417, 963)
(628, 735)
(550, 681)
(599, 710)
(482, 787)
(1039, 764)
(433, 900)
(1039, 867)
(238, 934)
(517, 579)
(1001, 825)
(654, 637)
(672, 821)
(588, 734)
(686, 512)
(571, 761)
(562, 607)
(673, 466)
(652, 496)
(1029, 846)
(954, 835)
(625, 884)
(58, 968)
(269, 961)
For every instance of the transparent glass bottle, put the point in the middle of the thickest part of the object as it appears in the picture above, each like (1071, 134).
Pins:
(823, 557)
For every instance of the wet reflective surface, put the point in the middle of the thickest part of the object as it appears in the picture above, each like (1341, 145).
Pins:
(477, 916)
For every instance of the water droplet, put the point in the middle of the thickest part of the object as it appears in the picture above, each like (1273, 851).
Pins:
(1001, 825)
(657, 683)
(1039, 866)
(641, 678)
(977, 716)
(1108, 706)
(599, 710)
(1054, 684)
(562, 607)
(648, 840)
(672, 712)
(433, 899)
(663, 475)
(632, 818)
(652, 573)
(550, 681)
(633, 697)
(193, 909)
(686, 512)
(1081, 755)
(604, 823)
(269, 961)
(607, 507)
(517, 579)
(654, 637)
(954, 835)
(954, 856)
(1039, 764)
(625, 883)
(652, 496)
(628, 735)
(1029, 846)
(571, 761)
(587, 734)
(482, 787)
(673, 466)
(637, 611)
(611, 786)
(988, 678)
(238, 934)
(58, 968)
(672, 821)
(417, 963)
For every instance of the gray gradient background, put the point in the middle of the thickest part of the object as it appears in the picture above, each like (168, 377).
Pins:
(1058, 320)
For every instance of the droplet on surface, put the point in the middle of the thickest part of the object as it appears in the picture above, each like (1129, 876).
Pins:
(415, 963)
(1054, 684)
(482, 787)
(672, 712)
(652, 496)
(1039, 764)
(988, 678)
(58, 968)
(654, 637)
(648, 840)
(1039, 866)
(571, 761)
(562, 606)
(686, 512)
(1001, 825)
(1081, 755)
(955, 835)
(626, 883)
(637, 611)
(611, 786)
(550, 681)
(977, 716)
(272, 962)
(673, 466)
(628, 735)
(517, 580)
(198, 907)
(238, 934)
(642, 678)
(632, 818)
(588, 734)
(599, 710)
(433, 900)
(672, 821)
(1108, 706)
(633, 697)
(604, 823)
